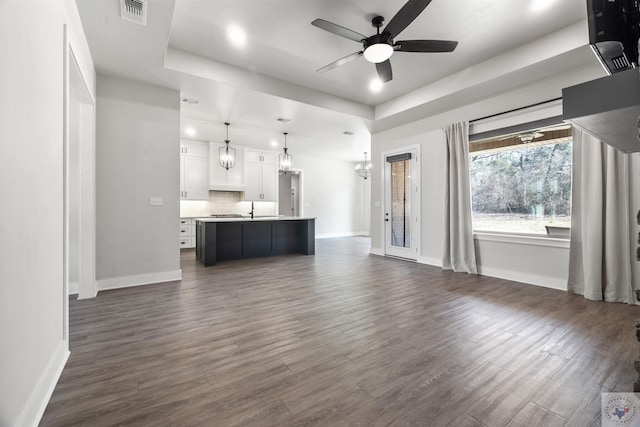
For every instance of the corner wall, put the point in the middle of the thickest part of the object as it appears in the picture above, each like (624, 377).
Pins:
(137, 157)
(32, 291)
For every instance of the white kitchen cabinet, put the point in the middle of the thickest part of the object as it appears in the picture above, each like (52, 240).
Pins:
(187, 233)
(221, 179)
(194, 170)
(261, 176)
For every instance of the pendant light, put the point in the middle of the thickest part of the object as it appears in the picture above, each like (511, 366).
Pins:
(227, 155)
(286, 160)
(364, 171)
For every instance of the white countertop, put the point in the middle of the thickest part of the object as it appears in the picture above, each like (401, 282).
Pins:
(266, 218)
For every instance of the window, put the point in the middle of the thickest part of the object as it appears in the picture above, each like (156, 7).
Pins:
(522, 183)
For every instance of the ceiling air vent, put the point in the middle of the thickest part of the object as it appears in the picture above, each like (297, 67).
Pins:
(134, 11)
(191, 101)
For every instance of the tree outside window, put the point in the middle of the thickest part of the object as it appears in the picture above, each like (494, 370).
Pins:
(522, 188)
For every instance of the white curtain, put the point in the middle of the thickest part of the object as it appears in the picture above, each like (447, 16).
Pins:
(602, 262)
(459, 251)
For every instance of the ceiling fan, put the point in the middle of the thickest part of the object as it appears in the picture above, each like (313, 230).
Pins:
(379, 47)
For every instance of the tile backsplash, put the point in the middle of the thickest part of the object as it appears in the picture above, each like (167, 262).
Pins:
(224, 202)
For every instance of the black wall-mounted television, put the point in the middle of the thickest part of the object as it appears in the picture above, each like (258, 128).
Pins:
(614, 29)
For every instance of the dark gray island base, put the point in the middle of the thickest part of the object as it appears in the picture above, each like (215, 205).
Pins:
(229, 239)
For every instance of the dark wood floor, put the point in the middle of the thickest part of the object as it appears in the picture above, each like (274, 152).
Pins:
(341, 338)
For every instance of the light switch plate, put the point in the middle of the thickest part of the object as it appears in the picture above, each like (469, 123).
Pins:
(156, 201)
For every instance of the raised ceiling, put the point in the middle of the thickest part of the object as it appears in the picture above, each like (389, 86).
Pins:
(282, 43)
(185, 47)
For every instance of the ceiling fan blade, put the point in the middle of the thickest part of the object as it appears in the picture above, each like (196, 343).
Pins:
(340, 62)
(338, 30)
(425, 46)
(384, 71)
(405, 16)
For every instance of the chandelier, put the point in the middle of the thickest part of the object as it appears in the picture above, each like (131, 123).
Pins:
(286, 160)
(227, 155)
(364, 171)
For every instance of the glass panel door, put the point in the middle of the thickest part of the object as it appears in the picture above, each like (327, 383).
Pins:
(401, 203)
(401, 216)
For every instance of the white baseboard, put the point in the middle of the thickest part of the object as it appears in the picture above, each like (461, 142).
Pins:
(376, 251)
(346, 234)
(137, 280)
(430, 261)
(39, 399)
(74, 288)
(530, 279)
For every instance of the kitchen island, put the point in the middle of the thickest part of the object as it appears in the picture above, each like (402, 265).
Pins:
(224, 239)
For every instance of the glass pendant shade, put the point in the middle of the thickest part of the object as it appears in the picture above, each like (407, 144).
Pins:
(378, 52)
(364, 171)
(285, 159)
(227, 155)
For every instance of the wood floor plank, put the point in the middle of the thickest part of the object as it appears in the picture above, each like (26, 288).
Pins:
(535, 416)
(342, 338)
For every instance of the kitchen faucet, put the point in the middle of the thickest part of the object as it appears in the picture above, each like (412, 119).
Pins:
(251, 210)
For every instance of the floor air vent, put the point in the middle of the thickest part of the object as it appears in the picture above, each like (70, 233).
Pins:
(134, 10)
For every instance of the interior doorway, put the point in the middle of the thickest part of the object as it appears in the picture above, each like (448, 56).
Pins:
(78, 184)
(402, 203)
(290, 193)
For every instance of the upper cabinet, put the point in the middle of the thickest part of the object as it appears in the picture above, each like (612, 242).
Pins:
(261, 176)
(194, 170)
(222, 179)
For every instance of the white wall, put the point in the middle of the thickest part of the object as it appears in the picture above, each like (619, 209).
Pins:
(32, 292)
(73, 166)
(331, 191)
(137, 157)
(509, 259)
(363, 194)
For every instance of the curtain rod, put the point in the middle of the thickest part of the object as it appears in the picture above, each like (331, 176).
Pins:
(515, 109)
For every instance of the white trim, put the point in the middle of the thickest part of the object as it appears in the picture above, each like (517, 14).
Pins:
(416, 243)
(376, 251)
(138, 280)
(530, 279)
(345, 234)
(522, 239)
(37, 403)
(74, 287)
(430, 261)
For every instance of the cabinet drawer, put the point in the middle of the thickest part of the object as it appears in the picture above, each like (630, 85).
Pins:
(187, 242)
(186, 221)
(187, 230)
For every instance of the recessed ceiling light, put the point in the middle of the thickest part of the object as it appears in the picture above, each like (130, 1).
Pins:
(191, 101)
(283, 120)
(190, 131)
(237, 35)
(540, 5)
(274, 143)
(375, 85)
(348, 132)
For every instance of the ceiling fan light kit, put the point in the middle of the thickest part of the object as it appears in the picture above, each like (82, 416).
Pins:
(379, 47)
(378, 52)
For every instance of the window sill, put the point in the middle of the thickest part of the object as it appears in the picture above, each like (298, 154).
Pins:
(521, 239)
